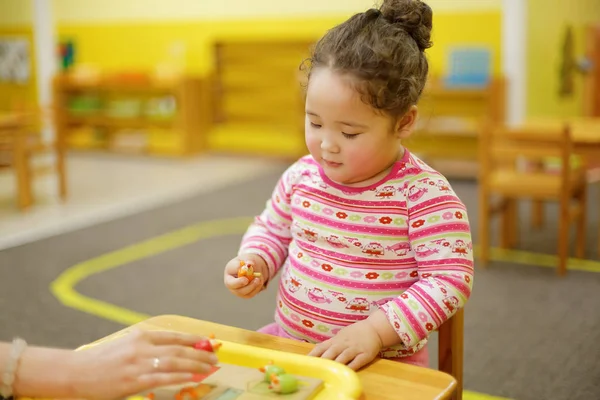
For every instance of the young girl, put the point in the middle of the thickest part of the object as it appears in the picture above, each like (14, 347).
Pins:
(373, 245)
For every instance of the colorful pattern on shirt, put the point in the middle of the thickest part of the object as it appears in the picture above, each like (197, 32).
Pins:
(402, 245)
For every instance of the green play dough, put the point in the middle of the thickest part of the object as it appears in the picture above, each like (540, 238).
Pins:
(272, 369)
(287, 384)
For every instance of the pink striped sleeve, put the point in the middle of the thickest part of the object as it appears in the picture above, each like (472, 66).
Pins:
(269, 235)
(440, 237)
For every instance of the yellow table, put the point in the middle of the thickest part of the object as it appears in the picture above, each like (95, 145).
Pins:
(585, 132)
(381, 380)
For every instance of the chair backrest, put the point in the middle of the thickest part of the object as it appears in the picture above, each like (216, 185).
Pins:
(33, 118)
(451, 350)
(505, 147)
(502, 143)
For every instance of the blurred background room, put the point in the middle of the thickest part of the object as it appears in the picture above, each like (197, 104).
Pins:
(138, 138)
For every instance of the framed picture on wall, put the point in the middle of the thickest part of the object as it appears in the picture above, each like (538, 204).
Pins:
(14, 60)
(469, 66)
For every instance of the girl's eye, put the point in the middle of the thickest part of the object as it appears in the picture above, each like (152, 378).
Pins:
(350, 135)
(315, 125)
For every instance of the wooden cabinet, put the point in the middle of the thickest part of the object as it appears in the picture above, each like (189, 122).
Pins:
(132, 113)
(450, 120)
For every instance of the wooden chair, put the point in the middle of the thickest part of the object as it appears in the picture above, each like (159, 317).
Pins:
(26, 142)
(500, 151)
(451, 350)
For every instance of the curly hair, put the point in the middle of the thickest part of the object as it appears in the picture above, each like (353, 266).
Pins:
(383, 50)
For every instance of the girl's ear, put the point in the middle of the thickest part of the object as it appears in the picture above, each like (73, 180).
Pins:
(406, 124)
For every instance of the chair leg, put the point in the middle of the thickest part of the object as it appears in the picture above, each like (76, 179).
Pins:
(537, 214)
(537, 206)
(581, 220)
(23, 174)
(563, 236)
(62, 174)
(509, 224)
(484, 227)
(505, 224)
(24, 190)
(451, 351)
(598, 246)
(514, 223)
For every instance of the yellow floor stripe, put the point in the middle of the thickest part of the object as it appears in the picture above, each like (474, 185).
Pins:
(64, 286)
(467, 395)
(541, 260)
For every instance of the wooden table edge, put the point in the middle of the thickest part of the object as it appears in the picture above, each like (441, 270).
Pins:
(162, 322)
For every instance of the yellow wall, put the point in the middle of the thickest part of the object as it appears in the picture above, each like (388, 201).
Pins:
(15, 21)
(73, 11)
(139, 34)
(547, 21)
(143, 45)
(154, 28)
(15, 13)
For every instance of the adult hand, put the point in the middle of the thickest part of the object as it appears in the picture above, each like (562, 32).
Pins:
(137, 362)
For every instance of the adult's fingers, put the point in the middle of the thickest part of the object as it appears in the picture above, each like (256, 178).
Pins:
(161, 338)
(176, 365)
(187, 352)
(153, 380)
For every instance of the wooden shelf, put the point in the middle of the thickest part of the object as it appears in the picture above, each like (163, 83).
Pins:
(115, 84)
(91, 124)
(121, 123)
(450, 119)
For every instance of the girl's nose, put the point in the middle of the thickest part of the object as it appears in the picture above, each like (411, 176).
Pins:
(329, 146)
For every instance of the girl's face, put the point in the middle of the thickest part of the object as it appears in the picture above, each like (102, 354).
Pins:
(353, 143)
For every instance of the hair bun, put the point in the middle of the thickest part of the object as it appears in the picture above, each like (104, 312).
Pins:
(414, 16)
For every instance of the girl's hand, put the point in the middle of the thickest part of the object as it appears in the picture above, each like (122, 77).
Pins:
(355, 345)
(242, 286)
(137, 362)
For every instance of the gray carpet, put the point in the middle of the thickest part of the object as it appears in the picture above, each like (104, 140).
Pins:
(529, 334)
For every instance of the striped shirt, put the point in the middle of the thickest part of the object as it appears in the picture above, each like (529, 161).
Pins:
(402, 245)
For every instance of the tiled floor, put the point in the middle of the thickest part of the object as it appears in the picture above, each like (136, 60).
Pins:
(104, 187)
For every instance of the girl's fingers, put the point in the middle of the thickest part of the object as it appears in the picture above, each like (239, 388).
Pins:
(319, 349)
(234, 283)
(251, 288)
(232, 267)
(332, 353)
(346, 356)
(359, 361)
